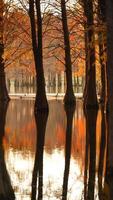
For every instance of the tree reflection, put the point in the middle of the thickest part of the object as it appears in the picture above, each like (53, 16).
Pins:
(69, 114)
(108, 181)
(90, 159)
(103, 144)
(41, 121)
(6, 190)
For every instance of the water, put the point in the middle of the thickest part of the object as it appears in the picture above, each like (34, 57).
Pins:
(52, 158)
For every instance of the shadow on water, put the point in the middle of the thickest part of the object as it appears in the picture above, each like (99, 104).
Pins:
(41, 121)
(6, 190)
(90, 157)
(69, 115)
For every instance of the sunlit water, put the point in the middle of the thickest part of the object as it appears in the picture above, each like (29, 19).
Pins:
(20, 147)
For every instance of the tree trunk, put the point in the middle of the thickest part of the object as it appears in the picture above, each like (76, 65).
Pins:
(109, 173)
(90, 98)
(86, 61)
(3, 90)
(36, 33)
(69, 96)
(102, 48)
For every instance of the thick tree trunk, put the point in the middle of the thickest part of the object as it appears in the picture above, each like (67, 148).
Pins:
(69, 96)
(36, 32)
(90, 98)
(109, 174)
(3, 90)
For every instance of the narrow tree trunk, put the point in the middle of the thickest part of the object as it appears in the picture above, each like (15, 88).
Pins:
(90, 98)
(3, 90)
(86, 60)
(36, 33)
(69, 96)
(102, 48)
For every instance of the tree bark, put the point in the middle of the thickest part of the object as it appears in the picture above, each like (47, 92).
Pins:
(69, 96)
(102, 48)
(3, 89)
(90, 97)
(109, 15)
(36, 34)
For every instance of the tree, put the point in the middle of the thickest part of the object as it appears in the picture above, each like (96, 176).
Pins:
(90, 97)
(36, 34)
(102, 46)
(69, 96)
(3, 90)
(109, 14)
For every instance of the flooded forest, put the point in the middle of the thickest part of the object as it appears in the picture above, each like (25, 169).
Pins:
(56, 100)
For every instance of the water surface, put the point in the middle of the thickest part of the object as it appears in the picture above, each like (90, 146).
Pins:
(54, 157)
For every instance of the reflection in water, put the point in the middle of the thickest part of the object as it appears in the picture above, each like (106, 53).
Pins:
(108, 183)
(58, 160)
(91, 117)
(69, 114)
(41, 120)
(6, 190)
(102, 156)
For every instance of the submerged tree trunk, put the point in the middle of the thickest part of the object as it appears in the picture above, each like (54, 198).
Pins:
(36, 33)
(90, 97)
(3, 90)
(69, 96)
